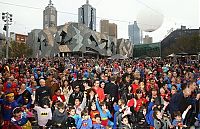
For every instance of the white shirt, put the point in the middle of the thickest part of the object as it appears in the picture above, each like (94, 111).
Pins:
(44, 114)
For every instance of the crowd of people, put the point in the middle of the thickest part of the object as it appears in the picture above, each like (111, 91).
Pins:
(80, 93)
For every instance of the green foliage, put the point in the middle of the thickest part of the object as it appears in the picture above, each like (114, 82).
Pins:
(18, 50)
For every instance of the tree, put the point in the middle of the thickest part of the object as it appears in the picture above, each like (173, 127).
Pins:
(18, 50)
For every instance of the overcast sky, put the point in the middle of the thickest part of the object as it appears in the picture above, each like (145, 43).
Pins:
(121, 12)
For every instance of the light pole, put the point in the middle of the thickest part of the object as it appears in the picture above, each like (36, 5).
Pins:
(7, 18)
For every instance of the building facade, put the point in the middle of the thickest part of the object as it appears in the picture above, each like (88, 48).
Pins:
(181, 40)
(19, 38)
(76, 39)
(147, 39)
(49, 16)
(108, 28)
(104, 27)
(134, 33)
(87, 16)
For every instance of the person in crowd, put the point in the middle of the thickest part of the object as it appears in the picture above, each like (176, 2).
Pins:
(99, 90)
(90, 98)
(59, 117)
(112, 89)
(20, 120)
(9, 85)
(125, 123)
(79, 106)
(84, 122)
(97, 124)
(42, 92)
(7, 106)
(58, 96)
(44, 112)
(93, 111)
(24, 96)
(67, 90)
(135, 85)
(102, 85)
(104, 113)
(75, 94)
(160, 121)
(72, 114)
(123, 88)
(181, 100)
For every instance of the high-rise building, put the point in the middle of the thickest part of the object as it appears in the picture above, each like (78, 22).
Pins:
(147, 39)
(113, 30)
(104, 27)
(134, 33)
(49, 16)
(108, 28)
(87, 15)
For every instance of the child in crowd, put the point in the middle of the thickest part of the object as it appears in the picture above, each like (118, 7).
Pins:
(60, 116)
(79, 106)
(7, 106)
(85, 122)
(20, 120)
(44, 113)
(93, 112)
(179, 118)
(97, 124)
(125, 123)
(121, 110)
(72, 113)
(104, 113)
(70, 123)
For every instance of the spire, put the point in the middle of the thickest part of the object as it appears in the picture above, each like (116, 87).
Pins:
(87, 1)
(50, 2)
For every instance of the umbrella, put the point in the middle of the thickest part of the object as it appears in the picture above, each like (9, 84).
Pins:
(118, 56)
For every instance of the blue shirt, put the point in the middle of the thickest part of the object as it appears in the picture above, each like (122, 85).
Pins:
(84, 124)
(7, 108)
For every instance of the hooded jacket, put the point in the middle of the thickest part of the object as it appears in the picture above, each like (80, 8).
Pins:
(59, 118)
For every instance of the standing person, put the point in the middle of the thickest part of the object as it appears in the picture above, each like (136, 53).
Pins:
(160, 122)
(44, 112)
(123, 88)
(67, 90)
(112, 89)
(42, 92)
(60, 116)
(180, 101)
(76, 94)
(7, 106)
(99, 90)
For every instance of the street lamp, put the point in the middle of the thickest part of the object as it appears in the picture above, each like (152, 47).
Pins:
(7, 18)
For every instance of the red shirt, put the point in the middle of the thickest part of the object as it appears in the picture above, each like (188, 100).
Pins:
(135, 87)
(149, 86)
(92, 115)
(55, 98)
(139, 103)
(100, 93)
(9, 87)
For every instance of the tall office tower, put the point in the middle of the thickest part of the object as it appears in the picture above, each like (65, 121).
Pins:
(134, 33)
(104, 27)
(108, 28)
(87, 15)
(49, 16)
